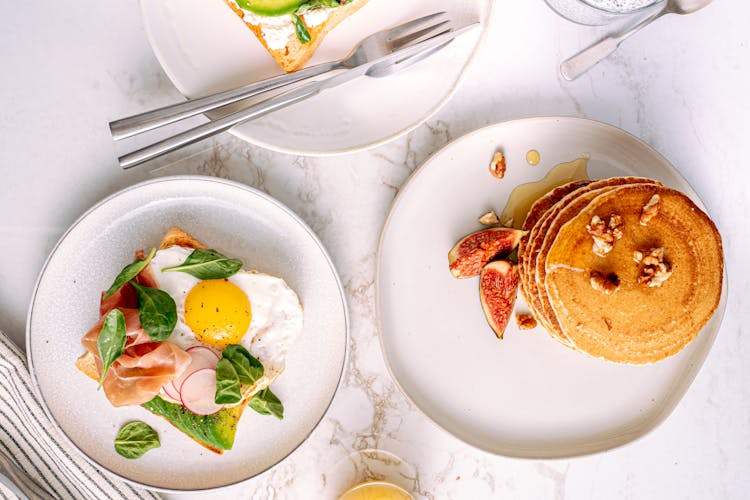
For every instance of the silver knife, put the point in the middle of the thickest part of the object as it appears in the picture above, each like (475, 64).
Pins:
(281, 101)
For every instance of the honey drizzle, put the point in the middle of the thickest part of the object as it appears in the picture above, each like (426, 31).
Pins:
(533, 157)
(523, 196)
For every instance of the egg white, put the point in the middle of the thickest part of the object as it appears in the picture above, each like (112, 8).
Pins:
(276, 311)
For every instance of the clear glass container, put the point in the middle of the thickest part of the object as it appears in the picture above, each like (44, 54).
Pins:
(370, 474)
(601, 12)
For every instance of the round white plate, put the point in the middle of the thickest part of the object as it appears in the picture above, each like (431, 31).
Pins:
(527, 395)
(204, 47)
(238, 221)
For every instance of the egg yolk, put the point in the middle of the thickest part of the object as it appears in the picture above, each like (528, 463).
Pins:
(218, 312)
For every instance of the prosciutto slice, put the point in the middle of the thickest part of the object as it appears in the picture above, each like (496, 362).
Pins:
(145, 366)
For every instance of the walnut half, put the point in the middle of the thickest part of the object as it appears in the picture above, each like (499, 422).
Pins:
(605, 283)
(497, 167)
(605, 234)
(489, 219)
(525, 321)
(655, 269)
(649, 210)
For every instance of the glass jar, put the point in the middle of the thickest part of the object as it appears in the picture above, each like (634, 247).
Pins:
(600, 12)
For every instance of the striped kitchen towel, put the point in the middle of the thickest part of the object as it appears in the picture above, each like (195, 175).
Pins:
(35, 461)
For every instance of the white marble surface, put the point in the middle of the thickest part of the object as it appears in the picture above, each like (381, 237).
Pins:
(681, 85)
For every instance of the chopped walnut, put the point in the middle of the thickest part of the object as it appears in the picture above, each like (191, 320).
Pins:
(525, 321)
(489, 219)
(650, 209)
(637, 256)
(655, 269)
(605, 234)
(497, 167)
(605, 283)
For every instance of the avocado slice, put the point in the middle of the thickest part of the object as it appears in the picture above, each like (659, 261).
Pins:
(271, 7)
(214, 431)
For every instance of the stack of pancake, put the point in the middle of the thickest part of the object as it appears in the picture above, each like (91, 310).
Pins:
(623, 269)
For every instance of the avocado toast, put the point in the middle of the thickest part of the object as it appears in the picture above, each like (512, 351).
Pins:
(292, 30)
(188, 386)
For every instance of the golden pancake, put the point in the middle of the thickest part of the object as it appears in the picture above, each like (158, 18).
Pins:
(546, 202)
(630, 308)
(537, 210)
(544, 234)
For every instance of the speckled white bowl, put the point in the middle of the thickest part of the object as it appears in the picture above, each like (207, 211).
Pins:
(238, 221)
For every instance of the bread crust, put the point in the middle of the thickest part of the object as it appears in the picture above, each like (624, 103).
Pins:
(296, 54)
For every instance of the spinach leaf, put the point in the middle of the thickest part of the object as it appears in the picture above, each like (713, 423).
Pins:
(111, 341)
(265, 402)
(157, 311)
(129, 272)
(247, 367)
(207, 265)
(317, 4)
(227, 383)
(299, 27)
(135, 439)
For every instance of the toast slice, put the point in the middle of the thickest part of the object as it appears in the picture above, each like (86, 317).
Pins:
(295, 54)
(215, 432)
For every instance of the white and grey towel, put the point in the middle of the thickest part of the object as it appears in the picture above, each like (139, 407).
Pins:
(35, 462)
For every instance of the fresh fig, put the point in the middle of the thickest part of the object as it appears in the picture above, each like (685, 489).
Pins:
(498, 286)
(467, 258)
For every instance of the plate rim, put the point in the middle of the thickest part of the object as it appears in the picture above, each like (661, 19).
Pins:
(687, 380)
(349, 149)
(190, 178)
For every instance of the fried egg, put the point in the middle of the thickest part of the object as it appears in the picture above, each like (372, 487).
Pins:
(257, 311)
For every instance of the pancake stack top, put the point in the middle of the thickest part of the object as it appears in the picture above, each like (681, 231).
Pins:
(623, 269)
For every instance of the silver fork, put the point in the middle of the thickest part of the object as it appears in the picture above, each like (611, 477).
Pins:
(373, 47)
(399, 59)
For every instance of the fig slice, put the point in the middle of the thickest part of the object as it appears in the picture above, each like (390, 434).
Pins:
(467, 258)
(498, 287)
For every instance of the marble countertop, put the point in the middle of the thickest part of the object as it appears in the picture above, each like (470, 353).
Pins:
(681, 85)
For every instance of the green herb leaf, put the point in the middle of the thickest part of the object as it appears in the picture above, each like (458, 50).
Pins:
(265, 402)
(111, 341)
(227, 383)
(157, 311)
(129, 272)
(299, 27)
(135, 439)
(247, 367)
(207, 265)
(317, 4)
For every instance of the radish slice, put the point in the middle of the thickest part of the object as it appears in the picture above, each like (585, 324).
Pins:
(201, 357)
(203, 350)
(171, 393)
(198, 392)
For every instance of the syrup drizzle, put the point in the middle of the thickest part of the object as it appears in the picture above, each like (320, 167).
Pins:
(523, 196)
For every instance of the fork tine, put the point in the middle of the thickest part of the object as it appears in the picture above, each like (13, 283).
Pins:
(416, 36)
(405, 28)
(386, 69)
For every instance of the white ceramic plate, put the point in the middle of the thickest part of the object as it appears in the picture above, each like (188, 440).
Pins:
(238, 221)
(204, 47)
(527, 395)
